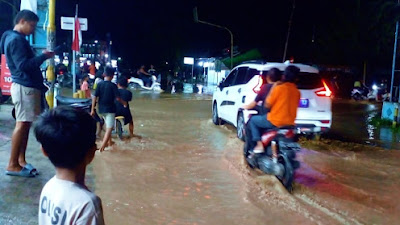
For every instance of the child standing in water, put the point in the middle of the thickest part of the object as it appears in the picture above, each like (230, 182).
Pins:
(127, 97)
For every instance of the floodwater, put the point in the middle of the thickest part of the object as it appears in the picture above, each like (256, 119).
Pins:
(360, 130)
(182, 169)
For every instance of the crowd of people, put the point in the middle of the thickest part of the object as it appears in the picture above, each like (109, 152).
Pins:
(68, 136)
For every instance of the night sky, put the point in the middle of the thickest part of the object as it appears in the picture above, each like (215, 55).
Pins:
(340, 32)
(155, 31)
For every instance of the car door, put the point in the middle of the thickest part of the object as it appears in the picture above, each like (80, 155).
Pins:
(225, 95)
(236, 94)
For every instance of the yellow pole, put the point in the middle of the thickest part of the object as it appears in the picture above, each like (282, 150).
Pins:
(51, 42)
(396, 114)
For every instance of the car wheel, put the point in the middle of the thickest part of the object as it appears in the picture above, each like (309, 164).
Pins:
(240, 127)
(215, 118)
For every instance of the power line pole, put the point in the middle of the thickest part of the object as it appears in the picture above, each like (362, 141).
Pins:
(196, 19)
(394, 59)
(288, 33)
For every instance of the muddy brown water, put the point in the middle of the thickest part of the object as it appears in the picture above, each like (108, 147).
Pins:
(185, 170)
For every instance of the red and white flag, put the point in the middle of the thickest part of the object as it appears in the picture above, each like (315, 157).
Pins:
(77, 42)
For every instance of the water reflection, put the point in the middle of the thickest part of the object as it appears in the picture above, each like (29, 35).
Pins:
(359, 116)
(371, 128)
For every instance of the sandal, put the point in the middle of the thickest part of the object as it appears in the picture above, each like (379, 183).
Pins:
(32, 169)
(23, 173)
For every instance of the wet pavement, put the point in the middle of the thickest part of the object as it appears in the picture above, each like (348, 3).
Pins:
(182, 169)
(351, 123)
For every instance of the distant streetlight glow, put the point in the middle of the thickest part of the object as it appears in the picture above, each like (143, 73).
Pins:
(106, 55)
(96, 41)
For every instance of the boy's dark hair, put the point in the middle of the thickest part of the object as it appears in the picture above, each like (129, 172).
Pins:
(66, 135)
(291, 73)
(27, 15)
(123, 82)
(109, 71)
(84, 77)
(274, 74)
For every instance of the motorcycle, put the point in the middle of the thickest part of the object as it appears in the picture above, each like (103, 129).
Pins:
(279, 157)
(137, 83)
(362, 94)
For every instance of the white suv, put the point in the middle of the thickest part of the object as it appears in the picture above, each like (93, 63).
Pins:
(314, 114)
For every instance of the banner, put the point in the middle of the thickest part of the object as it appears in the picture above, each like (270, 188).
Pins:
(5, 77)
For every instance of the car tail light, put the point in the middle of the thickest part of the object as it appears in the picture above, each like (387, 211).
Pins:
(326, 92)
(257, 88)
(325, 121)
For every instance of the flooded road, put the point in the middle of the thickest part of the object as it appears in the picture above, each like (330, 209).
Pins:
(360, 130)
(177, 173)
(185, 170)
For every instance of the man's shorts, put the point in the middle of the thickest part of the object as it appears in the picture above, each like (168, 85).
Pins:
(109, 119)
(26, 102)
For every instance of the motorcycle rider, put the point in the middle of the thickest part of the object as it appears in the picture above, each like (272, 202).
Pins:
(282, 101)
(153, 72)
(271, 77)
(146, 77)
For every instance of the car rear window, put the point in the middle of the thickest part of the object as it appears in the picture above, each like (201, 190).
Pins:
(304, 80)
(309, 81)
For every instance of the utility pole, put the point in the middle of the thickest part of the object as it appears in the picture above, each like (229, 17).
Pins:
(394, 59)
(51, 42)
(196, 19)
(288, 33)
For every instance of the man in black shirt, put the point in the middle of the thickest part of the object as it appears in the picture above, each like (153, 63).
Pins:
(127, 97)
(26, 89)
(106, 93)
(273, 75)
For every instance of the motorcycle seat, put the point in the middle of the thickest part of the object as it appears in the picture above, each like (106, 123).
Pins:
(61, 100)
(287, 127)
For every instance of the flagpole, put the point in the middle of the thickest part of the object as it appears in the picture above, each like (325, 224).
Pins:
(51, 42)
(74, 56)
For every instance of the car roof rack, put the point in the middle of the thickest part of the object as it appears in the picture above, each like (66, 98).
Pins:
(255, 62)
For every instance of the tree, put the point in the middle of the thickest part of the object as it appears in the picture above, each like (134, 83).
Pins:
(357, 31)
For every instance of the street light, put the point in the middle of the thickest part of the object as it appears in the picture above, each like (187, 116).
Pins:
(196, 19)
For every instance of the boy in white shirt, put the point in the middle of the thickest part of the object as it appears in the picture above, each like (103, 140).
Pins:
(67, 138)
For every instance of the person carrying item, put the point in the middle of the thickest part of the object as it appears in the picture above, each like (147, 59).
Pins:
(282, 101)
(106, 93)
(127, 97)
(27, 89)
(67, 138)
